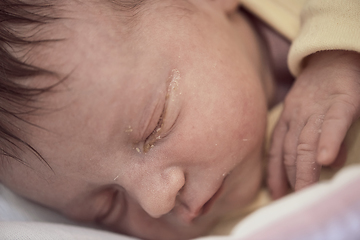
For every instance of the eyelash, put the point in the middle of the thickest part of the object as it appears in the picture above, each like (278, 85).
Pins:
(160, 124)
(151, 139)
(154, 136)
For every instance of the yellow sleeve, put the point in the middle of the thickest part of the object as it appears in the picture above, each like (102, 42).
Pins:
(282, 15)
(312, 25)
(326, 25)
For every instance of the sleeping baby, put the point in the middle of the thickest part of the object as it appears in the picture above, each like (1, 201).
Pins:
(148, 118)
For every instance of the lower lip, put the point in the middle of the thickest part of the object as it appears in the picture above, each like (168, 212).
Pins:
(208, 205)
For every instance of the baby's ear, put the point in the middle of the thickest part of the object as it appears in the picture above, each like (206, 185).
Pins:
(227, 5)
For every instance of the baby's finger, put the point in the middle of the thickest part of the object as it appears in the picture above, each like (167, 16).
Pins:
(307, 170)
(276, 180)
(336, 123)
(290, 150)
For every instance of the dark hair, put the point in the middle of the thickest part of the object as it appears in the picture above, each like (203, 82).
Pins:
(21, 22)
(17, 99)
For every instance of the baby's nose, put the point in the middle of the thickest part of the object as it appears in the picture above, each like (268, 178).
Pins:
(157, 196)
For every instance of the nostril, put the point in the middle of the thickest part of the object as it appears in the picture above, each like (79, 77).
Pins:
(158, 195)
(180, 190)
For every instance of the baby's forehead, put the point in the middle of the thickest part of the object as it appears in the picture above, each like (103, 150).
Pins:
(96, 52)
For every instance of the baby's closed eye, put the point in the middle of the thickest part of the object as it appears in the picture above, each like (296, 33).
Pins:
(166, 121)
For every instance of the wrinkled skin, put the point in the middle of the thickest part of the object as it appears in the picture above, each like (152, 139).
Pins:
(318, 111)
(152, 121)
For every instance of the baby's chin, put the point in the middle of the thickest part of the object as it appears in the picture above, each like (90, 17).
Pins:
(171, 227)
(173, 230)
(210, 223)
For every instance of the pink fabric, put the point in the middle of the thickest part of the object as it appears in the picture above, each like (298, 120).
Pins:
(336, 217)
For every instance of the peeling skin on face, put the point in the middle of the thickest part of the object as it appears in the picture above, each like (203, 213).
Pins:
(174, 81)
(173, 86)
(129, 129)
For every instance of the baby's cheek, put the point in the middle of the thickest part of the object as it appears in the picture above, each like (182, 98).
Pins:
(244, 133)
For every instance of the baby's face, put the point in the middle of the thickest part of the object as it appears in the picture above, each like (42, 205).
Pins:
(158, 129)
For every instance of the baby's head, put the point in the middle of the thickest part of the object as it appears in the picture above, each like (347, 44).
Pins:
(145, 117)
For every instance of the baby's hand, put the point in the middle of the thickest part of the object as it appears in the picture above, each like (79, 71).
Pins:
(318, 111)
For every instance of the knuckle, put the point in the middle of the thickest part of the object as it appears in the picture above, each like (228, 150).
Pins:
(289, 159)
(333, 119)
(343, 114)
(304, 149)
(305, 180)
(317, 119)
(344, 107)
(348, 103)
(308, 176)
